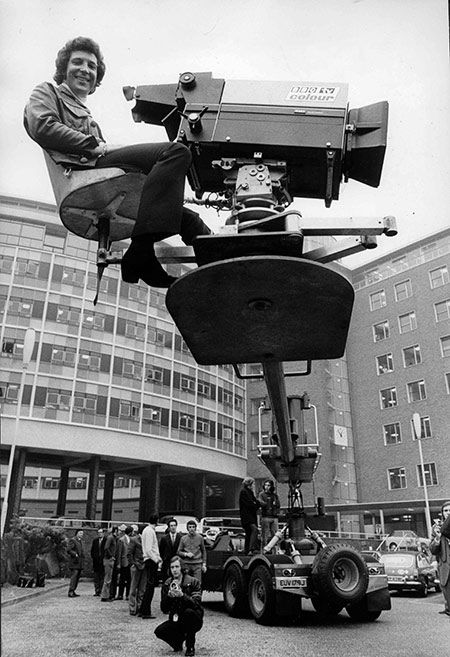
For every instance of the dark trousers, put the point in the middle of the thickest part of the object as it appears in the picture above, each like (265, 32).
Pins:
(98, 581)
(124, 581)
(183, 629)
(251, 537)
(166, 164)
(114, 580)
(74, 577)
(151, 569)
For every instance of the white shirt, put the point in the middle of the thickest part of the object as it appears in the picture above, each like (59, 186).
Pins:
(150, 548)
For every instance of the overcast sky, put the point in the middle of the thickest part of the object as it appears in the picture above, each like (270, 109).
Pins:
(394, 50)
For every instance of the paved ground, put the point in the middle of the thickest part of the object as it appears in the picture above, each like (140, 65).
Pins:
(52, 625)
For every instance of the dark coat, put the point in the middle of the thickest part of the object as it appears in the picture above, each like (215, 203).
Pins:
(440, 546)
(167, 549)
(270, 504)
(76, 554)
(191, 599)
(97, 554)
(248, 506)
(110, 547)
(134, 552)
(62, 125)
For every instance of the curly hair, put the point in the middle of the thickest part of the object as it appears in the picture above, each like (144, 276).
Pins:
(80, 43)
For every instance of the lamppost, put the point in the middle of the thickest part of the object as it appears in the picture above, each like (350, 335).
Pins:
(28, 346)
(417, 427)
(262, 408)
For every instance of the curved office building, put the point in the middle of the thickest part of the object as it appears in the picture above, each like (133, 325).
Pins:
(111, 390)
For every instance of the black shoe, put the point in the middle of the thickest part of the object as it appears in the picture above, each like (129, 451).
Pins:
(444, 611)
(119, 597)
(147, 616)
(178, 648)
(140, 262)
(192, 226)
(190, 652)
(106, 599)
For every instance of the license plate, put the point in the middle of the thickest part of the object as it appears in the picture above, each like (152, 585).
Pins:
(292, 583)
(395, 579)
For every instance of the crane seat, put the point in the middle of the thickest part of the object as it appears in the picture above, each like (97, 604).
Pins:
(85, 197)
(259, 308)
(212, 248)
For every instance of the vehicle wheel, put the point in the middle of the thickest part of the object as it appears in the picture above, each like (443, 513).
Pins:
(339, 574)
(261, 596)
(235, 592)
(392, 546)
(325, 608)
(359, 612)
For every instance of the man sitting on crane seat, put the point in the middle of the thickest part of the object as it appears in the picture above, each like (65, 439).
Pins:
(57, 118)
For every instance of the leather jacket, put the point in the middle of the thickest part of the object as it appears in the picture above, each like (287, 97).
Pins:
(62, 125)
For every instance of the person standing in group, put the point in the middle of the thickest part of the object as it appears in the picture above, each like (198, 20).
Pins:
(137, 571)
(97, 561)
(181, 598)
(124, 574)
(152, 560)
(58, 119)
(440, 546)
(168, 546)
(193, 552)
(109, 557)
(76, 557)
(248, 508)
(270, 510)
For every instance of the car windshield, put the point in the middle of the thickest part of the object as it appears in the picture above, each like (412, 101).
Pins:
(398, 560)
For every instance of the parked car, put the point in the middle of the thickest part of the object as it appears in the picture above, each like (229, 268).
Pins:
(410, 570)
(404, 539)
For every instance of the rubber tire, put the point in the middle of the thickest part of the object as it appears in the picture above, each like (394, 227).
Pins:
(261, 596)
(344, 560)
(360, 614)
(392, 546)
(324, 608)
(235, 592)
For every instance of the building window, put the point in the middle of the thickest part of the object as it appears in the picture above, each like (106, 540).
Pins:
(63, 356)
(403, 290)
(425, 428)
(411, 355)
(397, 478)
(134, 330)
(93, 320)
(380, 331)
(12, 348)
(430, 475)
(385, 364)
(50, 482)
(445, 345)
(150, 414)
(392, 434)
(28, 268)
(57, 399)
(71, 276)
(131, 369)
(388, 397)
(407, 322)
(439, 277)
(203, 426)
(416, 391)
(154, 374)
(187, 383)
(89, 361)
(77, 483)
(20, 308)
(238, 403)
(121, 482)
(377, 300)
(227, 397)
(157, 336)
(187, 422)
(67, 315)
(129, 409)
(86, 404)
(204, 389)
(442, 310)
(30, 482)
